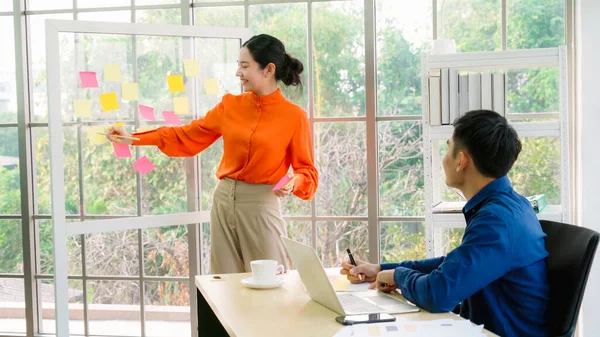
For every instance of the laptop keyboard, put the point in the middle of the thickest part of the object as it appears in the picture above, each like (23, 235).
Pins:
(354, 304)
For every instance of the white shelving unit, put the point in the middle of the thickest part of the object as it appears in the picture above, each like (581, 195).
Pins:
(435, 224)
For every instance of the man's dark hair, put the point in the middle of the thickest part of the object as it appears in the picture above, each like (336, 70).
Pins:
(488, 138)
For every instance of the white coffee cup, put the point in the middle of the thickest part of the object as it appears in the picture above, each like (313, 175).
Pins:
(265, 271)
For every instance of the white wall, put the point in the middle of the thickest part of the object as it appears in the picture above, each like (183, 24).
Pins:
(589, 51)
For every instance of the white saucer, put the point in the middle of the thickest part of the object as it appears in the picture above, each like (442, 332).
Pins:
(250, 283)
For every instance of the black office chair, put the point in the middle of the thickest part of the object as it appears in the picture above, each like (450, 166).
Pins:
(571, 250)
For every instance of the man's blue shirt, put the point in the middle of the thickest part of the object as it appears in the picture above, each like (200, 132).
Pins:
(498, 273)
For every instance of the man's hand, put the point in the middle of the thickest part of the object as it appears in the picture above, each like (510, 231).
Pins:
(385, 281)
(364, 272)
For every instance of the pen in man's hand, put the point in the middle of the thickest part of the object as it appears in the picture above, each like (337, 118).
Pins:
(353, 262)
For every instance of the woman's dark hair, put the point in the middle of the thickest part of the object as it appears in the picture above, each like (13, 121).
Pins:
(267, 49)
(492, 143)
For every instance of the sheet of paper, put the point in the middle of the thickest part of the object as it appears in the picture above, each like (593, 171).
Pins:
(436, 328)
(122, 150)
(94, 135)
(281, 183)
(118, 124)
(147, 112)
(112, 73)
(171, 118)
(181, 105)
(341, 283)
(129, 91)
(211, 86)
(191, 68)
(143, 165)
(175, 83)
(82, 107)
(88, 79)
(109, 101)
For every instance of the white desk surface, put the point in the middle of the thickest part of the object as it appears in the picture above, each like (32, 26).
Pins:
(285, 311)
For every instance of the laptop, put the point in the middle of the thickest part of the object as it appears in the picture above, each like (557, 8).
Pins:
(320, 290)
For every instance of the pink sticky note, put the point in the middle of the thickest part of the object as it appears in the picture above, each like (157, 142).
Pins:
(122, 150)
(171, 118)
(146, 112)
(281, 183)
(88, 79)
(143, 165)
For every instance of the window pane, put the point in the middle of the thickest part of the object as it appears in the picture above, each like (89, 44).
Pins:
(537, 170)
(167, 309)
(201, 1)
(164, 190)
(160, 16)
(108, 16)
(226, 16)
(475, 25)
(533, 90)
(166, 251)
(205, 248)
(38, 61)
(114, 308)
(6, 6)
(42, 170)
(11, 254)
(403, 32)
(45, 249)
(123, 257)
(300, 231)
(10, 197)
(536, 23)
(8, 84)
(400, 162)
(75, 292)
(287, 22)
(156, 2)
(35, 5)
(447, 239)
(103, 3)
(12, 299)
(339, 58)
(341, 161)
(334, 238)
(401, 241)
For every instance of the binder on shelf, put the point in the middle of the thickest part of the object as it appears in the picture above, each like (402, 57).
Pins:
(474, 91)
(463, 99)
(499, 97)
(445, 73)
(435, 113)
(486, 91)
(453, 87)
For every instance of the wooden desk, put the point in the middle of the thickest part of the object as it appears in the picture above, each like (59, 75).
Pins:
(227, 308)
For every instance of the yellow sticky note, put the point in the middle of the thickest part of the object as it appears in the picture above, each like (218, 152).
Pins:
(118, 124)
(94, 135)
(82, 107)
(181, 106)
(144, 129)
(129, 91)
(211, 86)
(109, 101)
(175, 83)
(112, 73)
(191, 68)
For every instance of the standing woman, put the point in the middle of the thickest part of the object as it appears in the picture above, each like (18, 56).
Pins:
(263, 134)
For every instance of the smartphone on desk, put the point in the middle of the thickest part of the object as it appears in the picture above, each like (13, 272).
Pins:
(366, 318)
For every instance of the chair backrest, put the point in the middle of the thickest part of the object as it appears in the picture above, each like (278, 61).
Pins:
(571, 253)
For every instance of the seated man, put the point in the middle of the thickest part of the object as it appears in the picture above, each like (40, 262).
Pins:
(498, 273)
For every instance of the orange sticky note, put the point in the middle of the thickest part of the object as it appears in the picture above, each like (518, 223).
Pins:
(181, 105)
(82, 107)
(175, 83)
(129, 91)
(190, 68)
(112, 73)
(109, 101)
(211, 86)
